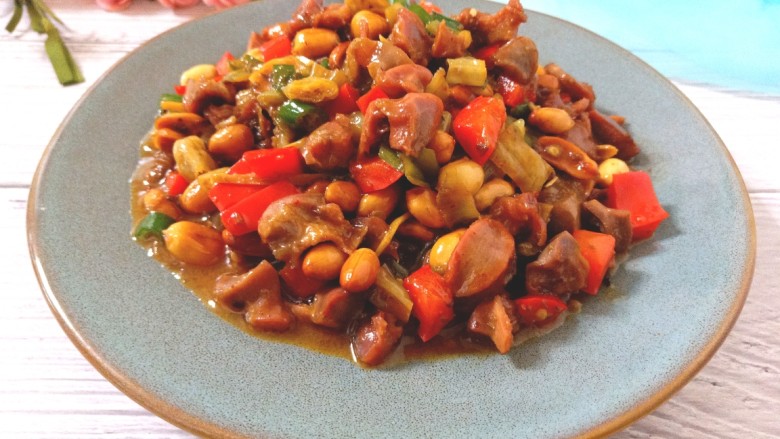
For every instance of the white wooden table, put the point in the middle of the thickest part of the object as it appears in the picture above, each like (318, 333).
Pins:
(48, 390)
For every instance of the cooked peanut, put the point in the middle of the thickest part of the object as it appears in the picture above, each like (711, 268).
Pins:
(337, 55)
(421, 203)
(378, 203)
(195, 198)
(323, 262)
(312, 89)
(443, 145)
(492, 191)
(606, 152)
(314, 42)
(551, 120)
(194, 243)
(442, 250)
(610, 167)
(156, 201)
(231, 142)
(198, 72)
(359, 270)
(318, 187)
(368, 24)
(463, 173)
(191, 157)
(344, 193)
(163, 139)
(183, 123)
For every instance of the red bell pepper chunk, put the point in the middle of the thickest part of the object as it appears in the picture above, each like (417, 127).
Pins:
(345, 102)
(223, 65)
(478, 125)
(243, 217)
(513, 93)
(276, 48)
(372, 95)
(224, 195)
(270, 164)
(538, 309)
(175, 184)
(633, 191)
(487, 52)
(373, 174)
(180, 89)
(599, 250)
(432, 300)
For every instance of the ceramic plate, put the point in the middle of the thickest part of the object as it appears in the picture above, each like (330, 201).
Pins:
(680, 293)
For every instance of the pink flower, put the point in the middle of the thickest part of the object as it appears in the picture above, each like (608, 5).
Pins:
(220, 4)
(113, 5)
(175, 4)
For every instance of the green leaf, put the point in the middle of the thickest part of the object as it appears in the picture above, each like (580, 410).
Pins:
(36, 19)
(18, 9)
(45, 10)
(64, 65)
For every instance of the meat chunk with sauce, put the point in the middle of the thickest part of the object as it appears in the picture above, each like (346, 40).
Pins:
(606, 130)
(374, 55)
(448, 43)
(493, 28)
(520, 215)
(410, 35)
(518, 59)
(406, 78)
(613, 222)
(566, 197)
(330, 146)
(200, 94)
(495, 318)
(483, 260)
(560, 269)
(377, 338)
(293, 224)
(411, 122)
(256, 293)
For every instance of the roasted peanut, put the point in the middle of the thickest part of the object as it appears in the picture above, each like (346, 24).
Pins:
(359, 270)
(194, 243)
(610, 167)
(442, 250)
(198, 72)
(231, 142)
(551, 120)
(421, 203)
(184, 123)
(344, 193)
(314, 42)
(195, 198)
(443, 145)
(378, 203)
(368, 24)
(323, 262)
(191, 157)
(462, 173)
(492, 191)
(312, 89)
(156, 201)
(164, 138)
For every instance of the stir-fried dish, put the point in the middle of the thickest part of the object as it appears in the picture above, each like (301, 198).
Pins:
(379, 170)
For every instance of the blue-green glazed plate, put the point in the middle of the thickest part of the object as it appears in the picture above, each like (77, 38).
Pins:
(679, 293)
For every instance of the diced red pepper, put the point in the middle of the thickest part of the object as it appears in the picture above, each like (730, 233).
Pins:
(175, 184)
(538, 309)
(270, 164)
(478, 125)
(276, 48)
(599, 250)
(487, 52)
(223, 65)
(224, 195)
(633, 191)
(345, 102)
(243, 217)
(432, 301)
(180, 89)
(373, 174)
(298, 284)
(513, 93)
(372, 95)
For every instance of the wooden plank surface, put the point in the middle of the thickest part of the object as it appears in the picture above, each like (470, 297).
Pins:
(48, 390)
